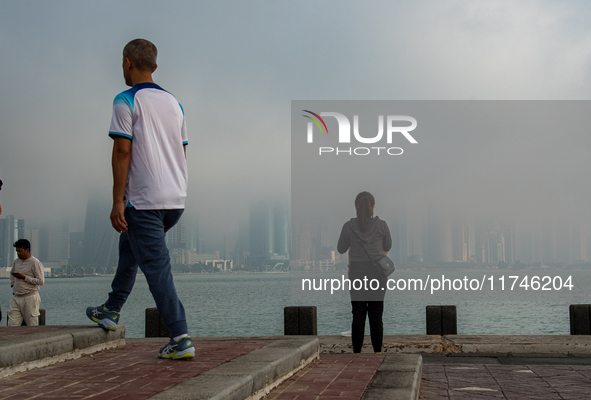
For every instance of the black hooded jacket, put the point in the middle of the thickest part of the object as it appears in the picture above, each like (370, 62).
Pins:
(376, 240)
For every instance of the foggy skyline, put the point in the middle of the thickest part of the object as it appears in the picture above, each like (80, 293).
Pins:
(236, 66)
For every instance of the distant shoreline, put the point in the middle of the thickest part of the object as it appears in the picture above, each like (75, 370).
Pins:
(435, 271)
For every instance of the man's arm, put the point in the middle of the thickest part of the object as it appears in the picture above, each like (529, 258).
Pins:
(37, 278)
(120, 162)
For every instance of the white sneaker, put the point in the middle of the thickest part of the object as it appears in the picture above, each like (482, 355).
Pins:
(346, 333)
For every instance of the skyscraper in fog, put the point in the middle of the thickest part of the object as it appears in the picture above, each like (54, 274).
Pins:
(305, 235)
(176, 242)
(414, 236)
(463, 231)
(242, 244)
(579, 243)
(32, 235)
(270, 239)
(398, 225)
(76, 247)
(191, 233)
(439, 237)
(510, 242)
(11, 229)
(58, 242)
(101, 241)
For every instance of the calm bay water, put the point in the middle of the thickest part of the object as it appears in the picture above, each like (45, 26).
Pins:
(252, 305)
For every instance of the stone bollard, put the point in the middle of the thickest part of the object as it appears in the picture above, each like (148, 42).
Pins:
(300, 321)
(154, 325)
(442, 320)
(580, 319)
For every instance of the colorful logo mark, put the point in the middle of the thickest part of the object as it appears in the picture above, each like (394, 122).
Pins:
(316, 121)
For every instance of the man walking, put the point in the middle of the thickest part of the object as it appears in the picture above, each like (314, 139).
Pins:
(149, 190)
(25, 278)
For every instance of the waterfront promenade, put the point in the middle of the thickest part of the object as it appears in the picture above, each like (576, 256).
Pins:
(84, 362)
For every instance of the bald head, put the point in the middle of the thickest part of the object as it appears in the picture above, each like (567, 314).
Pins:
(142, 54)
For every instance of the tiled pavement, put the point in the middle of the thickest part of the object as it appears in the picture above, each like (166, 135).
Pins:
(511, 382)
(132, 372)
(332, 377)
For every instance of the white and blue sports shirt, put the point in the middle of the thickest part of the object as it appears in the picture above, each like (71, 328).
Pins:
(154, 121)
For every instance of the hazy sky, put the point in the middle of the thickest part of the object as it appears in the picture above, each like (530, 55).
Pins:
(519, 161)
(236, 65)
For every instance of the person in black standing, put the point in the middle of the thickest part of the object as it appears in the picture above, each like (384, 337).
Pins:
(366, 238)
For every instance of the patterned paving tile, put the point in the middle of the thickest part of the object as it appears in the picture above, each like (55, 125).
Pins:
(130, 372)
(519, 382)
(331, 377)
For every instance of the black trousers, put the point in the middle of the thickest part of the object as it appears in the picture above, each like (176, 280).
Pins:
(367, 302)
(374, 309)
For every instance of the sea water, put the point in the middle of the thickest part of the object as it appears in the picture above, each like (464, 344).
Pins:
(252, 305)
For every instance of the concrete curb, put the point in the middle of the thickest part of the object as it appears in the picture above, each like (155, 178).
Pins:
(467, 344)
(398, 377)
(392, 344)
(250, 376)
(36, 350)
(521, 344)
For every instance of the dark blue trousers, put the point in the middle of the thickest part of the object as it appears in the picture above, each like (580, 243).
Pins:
(144, 245)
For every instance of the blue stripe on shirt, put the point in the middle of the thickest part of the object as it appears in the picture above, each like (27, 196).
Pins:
(119, 134)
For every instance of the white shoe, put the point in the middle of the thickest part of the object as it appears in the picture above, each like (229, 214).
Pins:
(346, 333)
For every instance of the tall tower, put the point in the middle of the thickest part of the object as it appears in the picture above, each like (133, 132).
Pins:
(414, 236)
(242, 244)
(439, 237)
(305, 241)
(191, 233)
(11, 229)
(462, 236)
(176, 242)
(101, 241)
(59, 242)
(398, 224)
(282, 241)
(270, 239)
(500, 247)
(579, 245)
